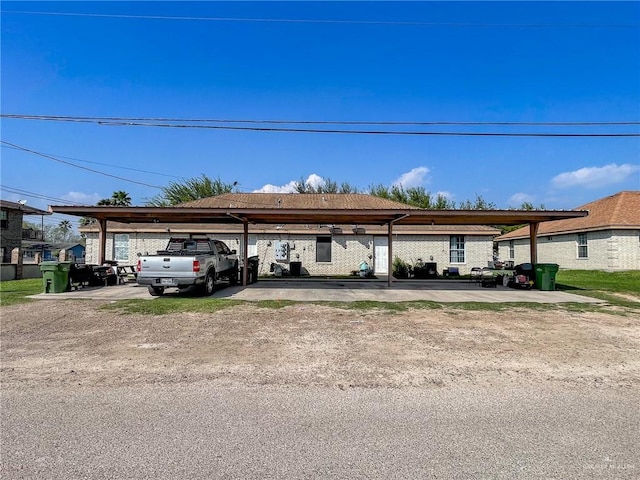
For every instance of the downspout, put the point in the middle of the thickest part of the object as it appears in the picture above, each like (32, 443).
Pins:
(245, 249)
(245, 253)
(533, 242)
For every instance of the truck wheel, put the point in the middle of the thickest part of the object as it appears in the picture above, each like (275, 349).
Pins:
(209, 284)
(156, 291)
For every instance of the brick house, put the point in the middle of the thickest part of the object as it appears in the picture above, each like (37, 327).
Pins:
(11, 215)
(322, 249)
(607, 239)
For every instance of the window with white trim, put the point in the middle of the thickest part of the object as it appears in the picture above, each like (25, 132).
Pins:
(456, 249)
(4, 219)
(583, 251)
(121, 247)
(512, 250)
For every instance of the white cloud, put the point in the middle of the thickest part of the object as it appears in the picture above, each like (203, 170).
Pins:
(445, 194)
(315, 180)
(312, 180)
(414, 178)
(268, 188)
(594, 177)
(519, 198)
(80, 198)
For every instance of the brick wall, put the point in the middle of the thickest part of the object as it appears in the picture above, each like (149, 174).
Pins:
(347, 251)
(607, 250)
(11, 236)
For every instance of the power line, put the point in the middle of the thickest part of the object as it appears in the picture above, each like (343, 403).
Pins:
(27, 193)
(51, 157)
(100, 163)
(72, 118)
(318, 21)
(126, 122)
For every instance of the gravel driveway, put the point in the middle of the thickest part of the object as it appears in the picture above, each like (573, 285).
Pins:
(77, 342)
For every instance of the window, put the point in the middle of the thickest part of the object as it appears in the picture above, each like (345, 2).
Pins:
(582, 246)
(121, 247)
(4, 219)
(456, 249)
(323, 249)
(512, 250)
(222, 247)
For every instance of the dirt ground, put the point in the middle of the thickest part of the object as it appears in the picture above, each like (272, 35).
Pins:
(75, 342)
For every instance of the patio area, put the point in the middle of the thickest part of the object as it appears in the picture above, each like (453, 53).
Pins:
(341, 290)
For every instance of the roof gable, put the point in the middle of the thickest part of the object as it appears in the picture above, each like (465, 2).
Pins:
(621, 210)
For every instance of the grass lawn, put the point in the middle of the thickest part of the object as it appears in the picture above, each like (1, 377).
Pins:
(618, 288)
(596, 280)
(16, 291)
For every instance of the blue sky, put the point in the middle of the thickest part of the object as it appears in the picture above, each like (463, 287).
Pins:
(336, 61)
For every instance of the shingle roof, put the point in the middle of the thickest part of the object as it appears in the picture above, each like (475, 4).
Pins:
(26, 210)
(309, 201)
(621, 210)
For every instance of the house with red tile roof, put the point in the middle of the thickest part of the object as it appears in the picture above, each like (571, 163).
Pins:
(607, 239)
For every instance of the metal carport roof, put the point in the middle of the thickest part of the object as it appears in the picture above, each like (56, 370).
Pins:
(397, 214)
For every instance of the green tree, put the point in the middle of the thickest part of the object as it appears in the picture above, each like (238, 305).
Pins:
(65, 228)
(414, 196)
(188, 190)
(479, 204)
(117, 199)
(121, 199)
(328, 186)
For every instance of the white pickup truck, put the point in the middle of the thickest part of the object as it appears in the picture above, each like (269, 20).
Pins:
(188, 262)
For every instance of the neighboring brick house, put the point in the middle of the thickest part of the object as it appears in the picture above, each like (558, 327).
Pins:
(322, 249)
(607, 239)
(11, 215)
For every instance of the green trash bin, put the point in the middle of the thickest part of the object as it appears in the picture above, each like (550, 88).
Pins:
(546, 275)
(55, 276)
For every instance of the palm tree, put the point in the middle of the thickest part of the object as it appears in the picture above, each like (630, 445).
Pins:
(117, 199)
(121, 199)
(65, 227)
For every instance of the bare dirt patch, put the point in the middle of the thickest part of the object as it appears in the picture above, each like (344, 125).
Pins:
(76, 342)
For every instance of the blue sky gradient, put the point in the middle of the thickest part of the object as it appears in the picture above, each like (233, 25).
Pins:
(413, 62)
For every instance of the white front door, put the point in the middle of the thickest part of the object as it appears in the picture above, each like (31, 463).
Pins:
(252, 250)
(381, 255)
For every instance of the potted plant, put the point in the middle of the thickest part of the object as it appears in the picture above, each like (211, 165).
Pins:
(400, 268)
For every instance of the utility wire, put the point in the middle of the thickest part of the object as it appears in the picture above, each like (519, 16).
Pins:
(100, 163)
(51, 157)
(27, 193)
(318, 21)
(131, 123)
(70, 118)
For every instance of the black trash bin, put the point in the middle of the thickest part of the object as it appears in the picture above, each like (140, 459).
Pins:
(295, 268)
(252, 269)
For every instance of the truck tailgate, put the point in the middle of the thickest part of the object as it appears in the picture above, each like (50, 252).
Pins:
(166, 266)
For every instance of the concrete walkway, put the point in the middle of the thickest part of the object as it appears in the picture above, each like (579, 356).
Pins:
(445, 291)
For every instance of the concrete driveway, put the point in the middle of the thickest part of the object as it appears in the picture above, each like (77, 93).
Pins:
(345, 290)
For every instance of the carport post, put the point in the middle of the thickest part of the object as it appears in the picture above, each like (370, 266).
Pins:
(245, 253)
(390, 248)
(533, 242)
(390, 255)
(102, 240)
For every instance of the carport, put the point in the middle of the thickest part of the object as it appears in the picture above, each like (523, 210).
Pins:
(274, 213)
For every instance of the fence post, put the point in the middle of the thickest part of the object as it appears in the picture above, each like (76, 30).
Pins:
(17, 260)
